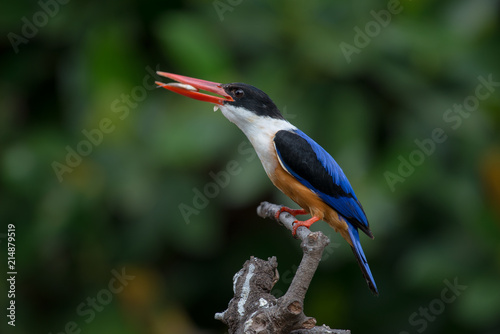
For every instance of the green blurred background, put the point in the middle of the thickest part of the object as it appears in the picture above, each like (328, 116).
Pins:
(118, 207)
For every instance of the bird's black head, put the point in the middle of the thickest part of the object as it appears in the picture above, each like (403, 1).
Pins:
(252, 99)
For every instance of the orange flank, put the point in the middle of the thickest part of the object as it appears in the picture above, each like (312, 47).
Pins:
(309, 202)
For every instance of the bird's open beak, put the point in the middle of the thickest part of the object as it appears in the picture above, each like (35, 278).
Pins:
(190, 87)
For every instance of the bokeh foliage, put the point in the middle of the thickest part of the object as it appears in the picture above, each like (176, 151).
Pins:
(119, 207)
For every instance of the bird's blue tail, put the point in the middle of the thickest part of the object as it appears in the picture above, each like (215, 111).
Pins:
(360, 257)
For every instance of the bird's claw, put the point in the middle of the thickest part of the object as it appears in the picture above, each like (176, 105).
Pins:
(306, 223)
(295, 226)
(293, 212)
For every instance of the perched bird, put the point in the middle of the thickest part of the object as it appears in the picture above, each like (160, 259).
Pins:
(295, 163)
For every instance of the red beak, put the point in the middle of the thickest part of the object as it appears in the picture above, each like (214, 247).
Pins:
(190, 87)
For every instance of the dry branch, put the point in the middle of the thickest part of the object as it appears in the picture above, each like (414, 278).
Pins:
(254, 309)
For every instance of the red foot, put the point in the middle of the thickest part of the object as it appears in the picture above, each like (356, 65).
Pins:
(306, 223)
(290, 211)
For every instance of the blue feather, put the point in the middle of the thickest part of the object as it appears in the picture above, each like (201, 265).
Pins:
(313, 168)
(361, 258)
(347, 206)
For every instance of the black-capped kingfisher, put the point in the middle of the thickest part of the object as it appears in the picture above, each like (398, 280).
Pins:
(295, 163)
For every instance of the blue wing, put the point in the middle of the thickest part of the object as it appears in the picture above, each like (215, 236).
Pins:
(312, 166)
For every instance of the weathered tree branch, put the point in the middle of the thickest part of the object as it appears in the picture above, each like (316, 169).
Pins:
(254, 309)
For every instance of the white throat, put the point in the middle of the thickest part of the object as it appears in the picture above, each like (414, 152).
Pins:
(260, 130)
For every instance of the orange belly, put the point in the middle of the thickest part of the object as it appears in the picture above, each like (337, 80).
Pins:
(308, 200)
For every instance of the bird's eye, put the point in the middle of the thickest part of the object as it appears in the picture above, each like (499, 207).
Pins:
(239, 93)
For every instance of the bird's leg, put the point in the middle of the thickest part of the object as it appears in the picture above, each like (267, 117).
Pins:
(305, 223)
(293, 212)
(297, 223)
